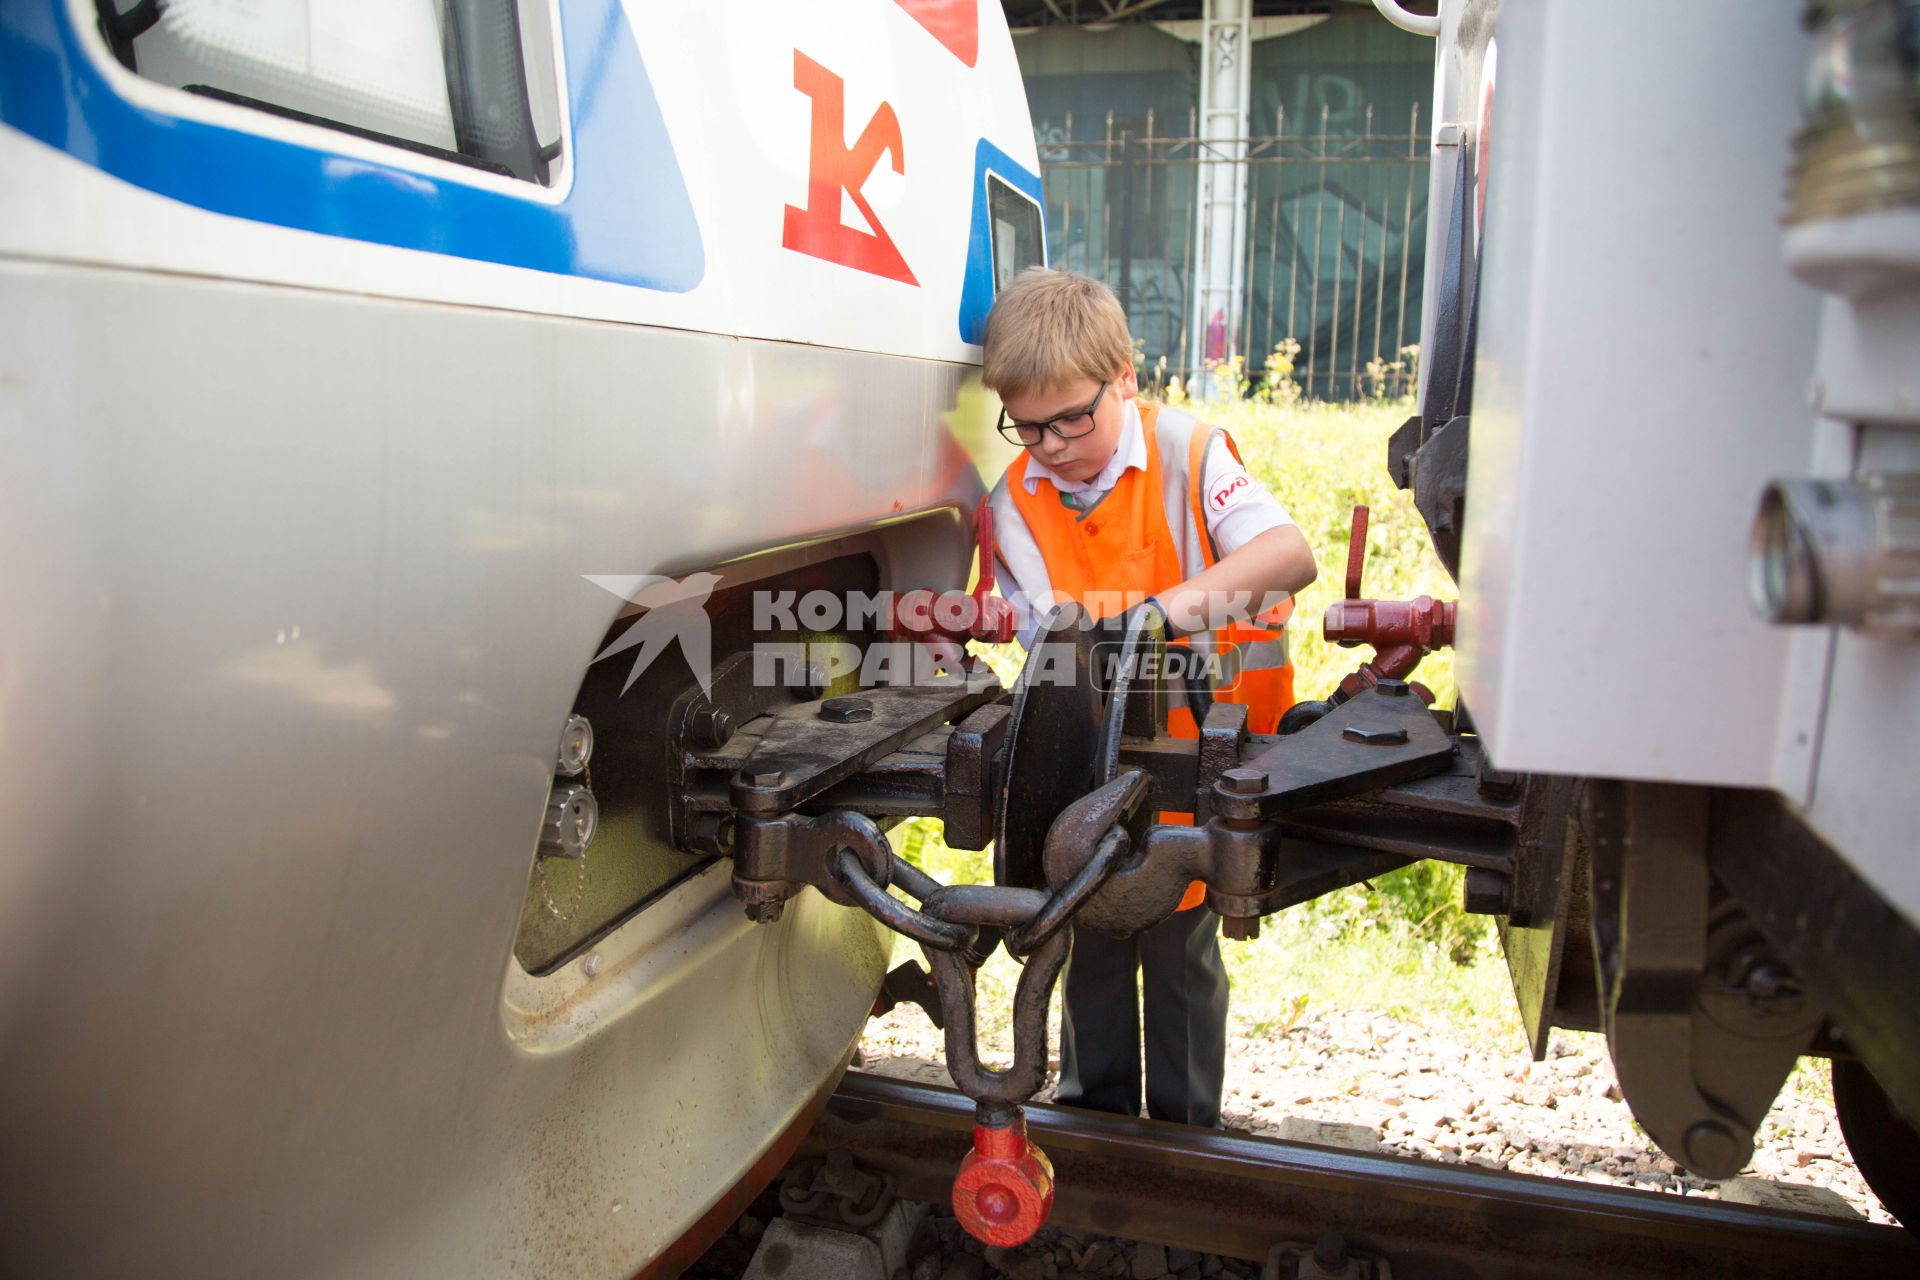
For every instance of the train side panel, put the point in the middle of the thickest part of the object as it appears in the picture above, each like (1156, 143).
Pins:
(302, 496)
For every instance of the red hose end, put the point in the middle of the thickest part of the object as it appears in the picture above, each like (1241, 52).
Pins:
(1004, 1190)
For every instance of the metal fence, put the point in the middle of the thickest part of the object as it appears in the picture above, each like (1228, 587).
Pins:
(1333, 255)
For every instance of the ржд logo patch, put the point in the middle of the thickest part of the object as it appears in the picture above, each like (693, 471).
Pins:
(1227, 489)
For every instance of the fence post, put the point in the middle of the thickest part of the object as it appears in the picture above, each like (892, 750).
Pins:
(1221, 182)
(1124, 287)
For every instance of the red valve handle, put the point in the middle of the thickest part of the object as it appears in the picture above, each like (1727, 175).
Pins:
(1004, 1190)
(1401, 632)
(993, 616)
(1356, 552)
(956, 615)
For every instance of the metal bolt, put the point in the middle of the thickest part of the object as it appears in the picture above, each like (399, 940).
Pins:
(1488, 892)
(846, 710)
(1392, 688)
(591, 965)
(1244, 782)
(1742, 963)
(713, 832)
(711, 727)
(576, 747)
(1773, 990)
(1374, 737)
(810, 682)
(1240, 928)
(760, 777)
(1330, 1252)
(1497, 783)
(1770, 982)
(1713, 1151)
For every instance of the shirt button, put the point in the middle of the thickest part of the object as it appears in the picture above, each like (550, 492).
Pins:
(1092, 528)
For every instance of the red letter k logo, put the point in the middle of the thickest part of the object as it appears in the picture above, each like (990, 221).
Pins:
(834, 167)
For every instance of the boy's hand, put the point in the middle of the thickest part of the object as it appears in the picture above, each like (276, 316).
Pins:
(1116, 626)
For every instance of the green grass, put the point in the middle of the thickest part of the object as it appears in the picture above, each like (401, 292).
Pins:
(1400, 945)
(1320, 461)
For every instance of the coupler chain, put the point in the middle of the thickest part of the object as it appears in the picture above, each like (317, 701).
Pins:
(1004, 1188)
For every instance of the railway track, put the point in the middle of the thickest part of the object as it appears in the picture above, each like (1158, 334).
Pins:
(1239, 1195)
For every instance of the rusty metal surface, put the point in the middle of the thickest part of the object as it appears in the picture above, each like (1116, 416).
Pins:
(809, 748)
(953, 980)
(1321, 763)
(1831, 925)
(1202, 1189)
(969, 783)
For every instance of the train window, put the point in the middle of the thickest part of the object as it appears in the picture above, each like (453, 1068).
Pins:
(466, 80)
(1019, 232)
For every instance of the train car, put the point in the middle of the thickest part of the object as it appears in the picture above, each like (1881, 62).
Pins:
(1666, 442)
(410, 407)
(370, 372)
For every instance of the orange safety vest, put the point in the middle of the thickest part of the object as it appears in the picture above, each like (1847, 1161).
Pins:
(1122, 551)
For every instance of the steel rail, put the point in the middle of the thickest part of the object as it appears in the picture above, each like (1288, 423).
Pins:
(1240, 1195)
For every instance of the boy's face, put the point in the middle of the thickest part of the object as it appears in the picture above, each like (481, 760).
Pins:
(1081, 458)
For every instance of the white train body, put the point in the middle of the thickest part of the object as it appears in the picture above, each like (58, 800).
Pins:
(311, 440)
(1657, 344)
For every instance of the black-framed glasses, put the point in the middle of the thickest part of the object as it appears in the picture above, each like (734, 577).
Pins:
(1068, 426)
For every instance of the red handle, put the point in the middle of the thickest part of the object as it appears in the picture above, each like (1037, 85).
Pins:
(1004, 1190)
(956, 616)
(1400, 631)
(1356, 552)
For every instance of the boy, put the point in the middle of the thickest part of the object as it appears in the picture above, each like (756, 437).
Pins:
(1114, 501)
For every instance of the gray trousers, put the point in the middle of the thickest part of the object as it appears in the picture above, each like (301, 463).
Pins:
(1186, 1015)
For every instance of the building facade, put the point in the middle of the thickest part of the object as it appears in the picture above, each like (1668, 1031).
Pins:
(1245, 176)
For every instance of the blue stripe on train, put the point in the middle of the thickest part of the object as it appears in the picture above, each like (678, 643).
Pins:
(627, 218)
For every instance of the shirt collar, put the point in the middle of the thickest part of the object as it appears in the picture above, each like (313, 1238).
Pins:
(1129, 454)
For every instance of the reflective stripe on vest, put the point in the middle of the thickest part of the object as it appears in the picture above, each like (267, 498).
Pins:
(1255, 666)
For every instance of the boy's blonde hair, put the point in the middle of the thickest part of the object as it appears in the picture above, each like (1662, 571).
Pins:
(1049, 326)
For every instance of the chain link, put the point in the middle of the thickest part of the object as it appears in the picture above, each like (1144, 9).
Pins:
(579, 871)
(1061, 907)
(873, 898)
(958, 926)
(1026, 930)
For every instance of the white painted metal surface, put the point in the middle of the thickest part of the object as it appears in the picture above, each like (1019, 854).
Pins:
(1643, 368)
(1849, 741)
(297, 507)
(1420, 24)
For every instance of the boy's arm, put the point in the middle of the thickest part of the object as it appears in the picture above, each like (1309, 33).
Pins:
(1020, 572)
(1262, 552)
(1275, 561)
